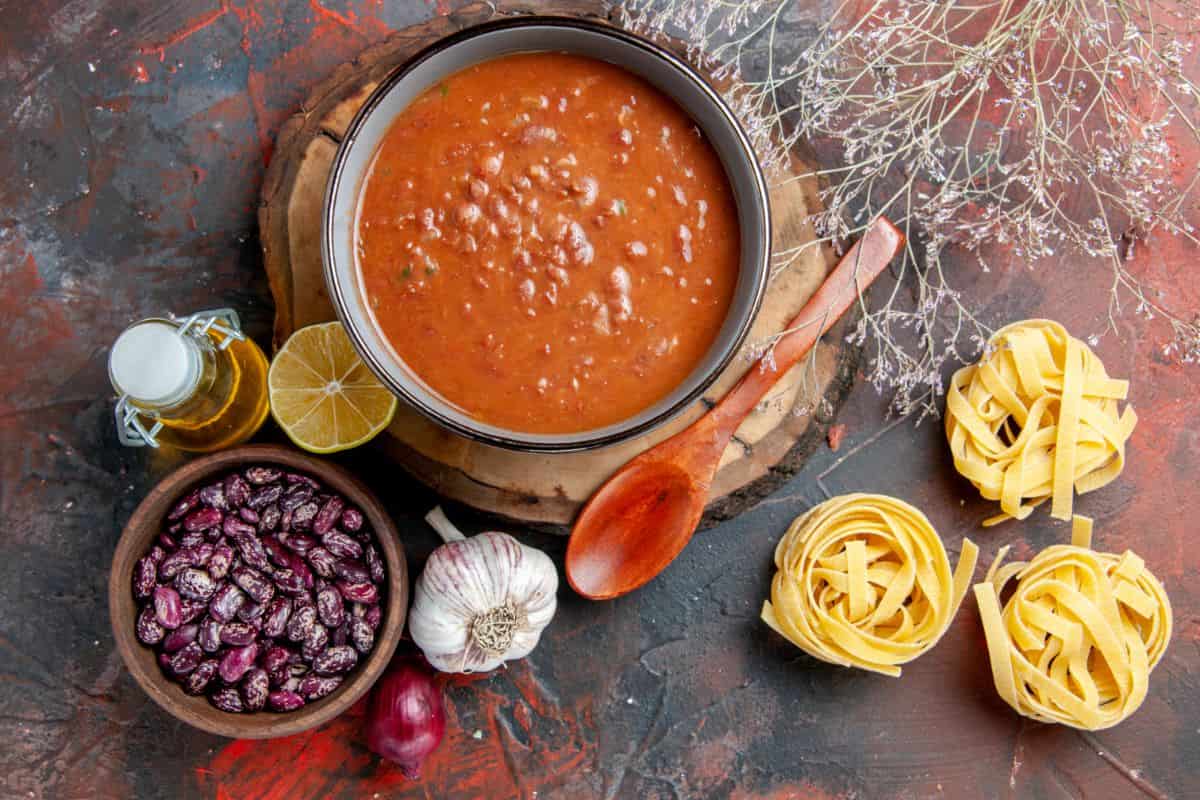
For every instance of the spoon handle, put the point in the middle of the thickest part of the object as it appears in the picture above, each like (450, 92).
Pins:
(861, 264)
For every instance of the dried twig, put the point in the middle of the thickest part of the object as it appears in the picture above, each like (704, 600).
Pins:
(1044, 127)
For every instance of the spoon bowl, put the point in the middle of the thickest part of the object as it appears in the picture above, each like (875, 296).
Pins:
(645, 514)
(647, 496)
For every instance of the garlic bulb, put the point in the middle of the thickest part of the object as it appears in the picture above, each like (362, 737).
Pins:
(480, 601)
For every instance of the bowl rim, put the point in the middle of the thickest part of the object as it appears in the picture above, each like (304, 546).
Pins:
(507, 438)
(265, 724)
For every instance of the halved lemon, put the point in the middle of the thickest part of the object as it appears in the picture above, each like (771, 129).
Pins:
(323, 395)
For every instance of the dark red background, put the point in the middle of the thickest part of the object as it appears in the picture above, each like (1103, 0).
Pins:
(135, 133)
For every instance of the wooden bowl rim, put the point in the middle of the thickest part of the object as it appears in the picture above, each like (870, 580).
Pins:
(146, 522)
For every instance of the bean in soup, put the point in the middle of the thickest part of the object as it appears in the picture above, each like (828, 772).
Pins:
(548, 242)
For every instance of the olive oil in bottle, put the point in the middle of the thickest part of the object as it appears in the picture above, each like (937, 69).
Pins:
(196, 383)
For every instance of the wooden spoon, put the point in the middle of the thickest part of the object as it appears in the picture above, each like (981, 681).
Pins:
(644, 515)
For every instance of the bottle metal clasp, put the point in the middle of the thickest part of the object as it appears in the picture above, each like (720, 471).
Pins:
(224, 321)
(132, 429)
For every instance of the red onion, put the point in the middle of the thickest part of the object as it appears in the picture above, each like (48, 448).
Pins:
(407, 718)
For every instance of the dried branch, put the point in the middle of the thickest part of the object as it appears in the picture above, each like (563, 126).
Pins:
(1043, 127)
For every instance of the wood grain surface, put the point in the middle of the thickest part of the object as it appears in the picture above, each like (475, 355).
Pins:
(137, 133)
(538, 487)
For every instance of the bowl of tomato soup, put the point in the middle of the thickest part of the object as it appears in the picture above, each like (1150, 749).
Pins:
(546, 234)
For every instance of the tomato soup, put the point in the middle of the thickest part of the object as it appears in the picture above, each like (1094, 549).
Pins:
(548, 242)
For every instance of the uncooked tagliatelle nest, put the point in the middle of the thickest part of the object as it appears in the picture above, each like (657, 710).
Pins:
(1036, 419)
(1076, 641)
(863, 581)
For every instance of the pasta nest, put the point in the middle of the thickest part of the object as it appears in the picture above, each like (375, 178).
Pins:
(1076, 641)
(863, 581)
(1036, 418)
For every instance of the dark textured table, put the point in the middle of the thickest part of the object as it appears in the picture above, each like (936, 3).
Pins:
(135, 136)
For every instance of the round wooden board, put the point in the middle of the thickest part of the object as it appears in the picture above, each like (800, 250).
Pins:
(547, 489)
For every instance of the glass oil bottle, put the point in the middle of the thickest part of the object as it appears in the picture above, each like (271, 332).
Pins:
(195, 383)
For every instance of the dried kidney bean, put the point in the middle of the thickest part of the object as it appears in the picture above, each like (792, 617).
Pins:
(288, 581)
(284, 701)
(279, 555)
(341, 545)
(255, 688)
(298, 565)
(335, 660)
(260, 475)
(303, 516)
(238, 634)
(199, 678)
(237, 491)
(322, 561)
(279, 677)
(195, 584)
(314, 687)
(374, 616)
(145, 575)
(351, 571)
(299, 542)
(192, 538)
(301, 623)
(176, 561)
(202, 519)
(352, 519)
(315, 643)
(362, 636)
(276, 618)
(181, 636)
(221, 561)
(167, 541)
(186, 659)
(191, 610)
(148, 630)
(330, 607)
(236, 527)
(252, 614)
(374, 563)
(227, 699)
(204, 553)
(295, 497)
(264, 497)
(167, 607)
(293, 675)
(252, 551)
(268, 518)
(275, 658)
(237, 661)
(327, 516)
(358, 592)
(186, 504)
(214, 495)
(254, 584)
(296, 477)
(210, 635)
(226, 602)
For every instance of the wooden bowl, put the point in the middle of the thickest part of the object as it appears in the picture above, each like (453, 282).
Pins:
(148, 521)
